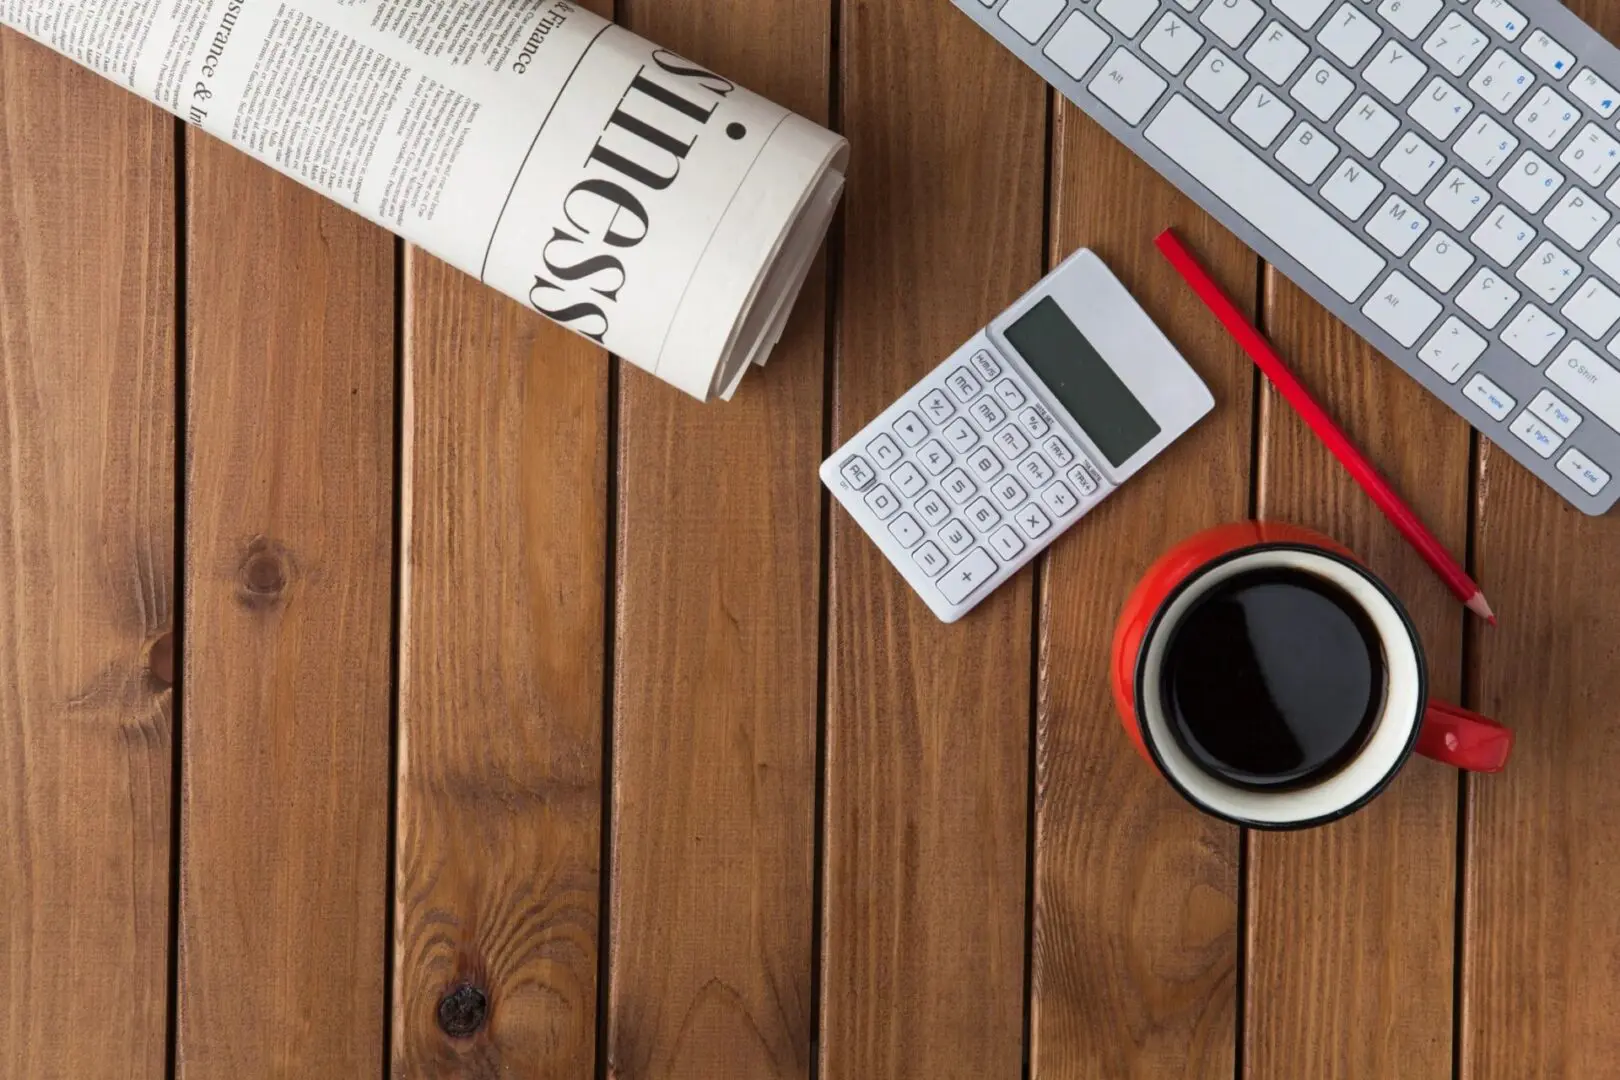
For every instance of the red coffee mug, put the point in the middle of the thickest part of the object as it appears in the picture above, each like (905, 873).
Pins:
(1406, 722)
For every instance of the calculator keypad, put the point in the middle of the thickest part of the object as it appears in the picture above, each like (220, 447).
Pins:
(970, 476)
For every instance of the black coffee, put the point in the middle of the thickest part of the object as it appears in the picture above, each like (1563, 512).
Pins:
(1274, 679)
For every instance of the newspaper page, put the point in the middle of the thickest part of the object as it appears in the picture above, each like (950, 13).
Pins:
(628, 194)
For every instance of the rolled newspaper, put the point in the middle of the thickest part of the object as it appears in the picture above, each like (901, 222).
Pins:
(634, 197)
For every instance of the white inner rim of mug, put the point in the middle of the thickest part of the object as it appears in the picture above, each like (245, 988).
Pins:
(1385, 747)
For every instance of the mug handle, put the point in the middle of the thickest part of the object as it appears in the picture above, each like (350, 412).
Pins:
(1454, 736)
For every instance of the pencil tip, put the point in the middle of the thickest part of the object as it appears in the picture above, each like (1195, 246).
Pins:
(1480, 607)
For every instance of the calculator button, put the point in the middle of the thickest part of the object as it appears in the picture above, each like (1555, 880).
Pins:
(910, 428)
(1012, 442)
(963, 384)
(984, 463)
(1058, 451)
(956, 537)
(930, 559)
(1008, 492)
(934, 457)
(961, 435)
(983, 516)
(1035, 469)
(1009, 394)
(1033, 520)
(1007, 542)
(937, 406)
(959, 487)
(985, 365)
(1059, 499)
(967, 576)
(987, 414)
(1081, 478)
(906, 530)
(909, 479)
(884, 451)
(857, 473)
(933, 508)
(882, 502)
(1579, 468)
(1033, 423)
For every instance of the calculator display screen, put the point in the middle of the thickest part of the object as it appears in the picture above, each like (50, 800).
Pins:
(1082, 381)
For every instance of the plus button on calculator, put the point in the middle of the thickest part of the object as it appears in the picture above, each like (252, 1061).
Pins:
(1033, 422)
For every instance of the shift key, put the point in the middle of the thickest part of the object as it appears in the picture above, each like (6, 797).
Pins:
(1590, 381)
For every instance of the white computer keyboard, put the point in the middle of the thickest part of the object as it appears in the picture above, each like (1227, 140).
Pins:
(1038, 418)
(1441, 174)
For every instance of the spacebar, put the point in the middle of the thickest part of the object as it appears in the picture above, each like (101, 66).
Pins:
(1271, 204)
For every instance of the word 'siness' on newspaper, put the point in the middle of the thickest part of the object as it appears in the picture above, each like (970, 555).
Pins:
(614, 187)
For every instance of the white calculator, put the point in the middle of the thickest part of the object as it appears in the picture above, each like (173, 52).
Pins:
(1037, 419)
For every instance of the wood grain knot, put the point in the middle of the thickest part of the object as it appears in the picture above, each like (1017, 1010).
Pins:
(160, 661)
(263, 576)
(463, 1011)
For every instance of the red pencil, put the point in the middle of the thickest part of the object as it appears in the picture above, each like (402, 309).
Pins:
(1293, 392)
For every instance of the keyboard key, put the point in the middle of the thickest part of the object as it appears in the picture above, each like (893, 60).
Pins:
(1548, 55)
(1349, 34)
(982, 515)
(1031, 18)
(1606, 256)
(1536, 435)
(1533, 334)
(1596, 93)
(1486, 145)
(1549, 273)
(1395, 71)
(1307, 152)
(1217, 79)
(1303, 12)
(1078, 44)
(1367, 126)
(1058, 451)
(1453, 349)
(1084, 479)
(984, 463)
(908, 480)
(1262, 116)
(1035, 471)
(1440, 108)
(967, 576)
(906, 530)
(1397, 226)
(884, 451)
(1488, 298)
(1231, 20)
(1578, 218)
(1007, 542)
(1127, 16)
(957, 538)
(1410, 17)
(987, 414)
(1215, 157)
(1277, 53)
(1034, 423)
(1322, 89)
(1402, 309)
(930, 559)
(959, 487)
(1594, 308)
(1173, 43)
(882, 502)
(1060, 500)
(1458, 200)
(934, 457)
(1500, 16)
(1442, 261)
(1033, 520)
(937, 406)
(1008, 394)
(1547, 118)
(1593, 155)
(910, 428)
(1504, 236)
(933, 508)
(1590, 381)
(1580, 468)
(1352, 188)
(1489, 397)
(1008, 492)
(963, 385)
(960, 434)
(1011, 442)
(1456, 43)
(856, 473)
(985, 365)
(1550, 410)
(1128, 86)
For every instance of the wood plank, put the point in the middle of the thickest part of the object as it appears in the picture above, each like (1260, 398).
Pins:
(87, 596)
(927, 725)
(288, 576)
(1541, 987)
(715, 698)
(1351, 926)
(1135, 949)
(501, 687)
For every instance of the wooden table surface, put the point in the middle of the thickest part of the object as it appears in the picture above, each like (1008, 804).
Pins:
(391, 684)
